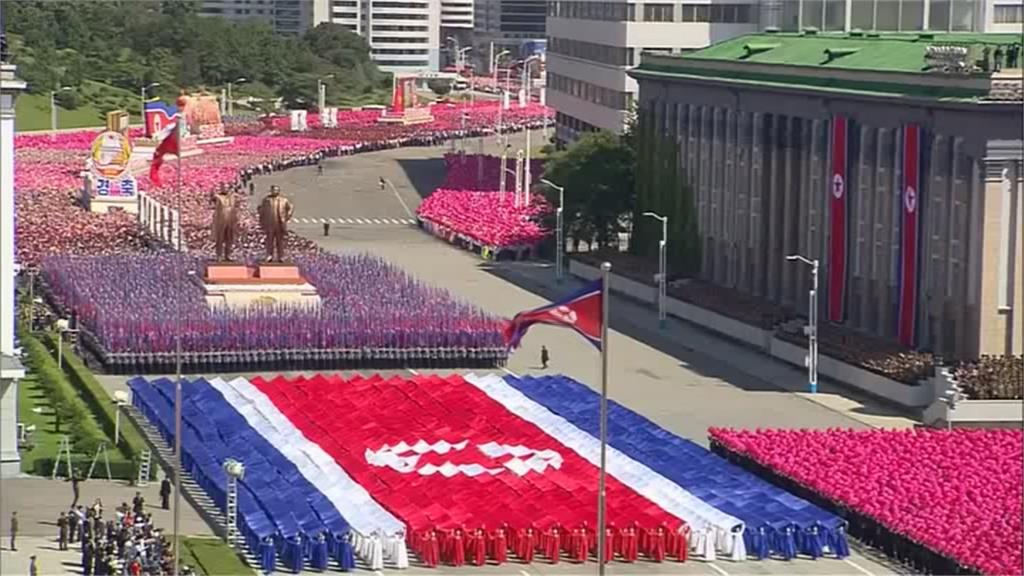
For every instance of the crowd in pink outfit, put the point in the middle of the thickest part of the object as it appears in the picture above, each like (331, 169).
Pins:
(50, 219)
(485, 219)
(956, 493)
(483, 172)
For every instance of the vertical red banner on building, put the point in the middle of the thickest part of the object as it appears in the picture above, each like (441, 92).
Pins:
(837, 222)
(909, 224)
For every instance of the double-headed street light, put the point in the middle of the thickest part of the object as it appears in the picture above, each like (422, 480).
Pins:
(811, 330)
(504, 168)
(460, 58)
(559, 232)
(142, 95)
(53, 110)
(662, 266)
(231, 102)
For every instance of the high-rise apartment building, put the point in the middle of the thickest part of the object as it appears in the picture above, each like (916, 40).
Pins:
(591, 43)
(404, 35)
(507, 24)
(290, 17)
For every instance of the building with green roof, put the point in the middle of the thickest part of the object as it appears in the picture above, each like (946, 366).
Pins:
(894, 159)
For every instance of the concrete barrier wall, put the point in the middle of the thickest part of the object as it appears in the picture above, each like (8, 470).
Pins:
(914, 397)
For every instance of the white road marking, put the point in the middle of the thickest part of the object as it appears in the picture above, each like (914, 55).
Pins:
(413, 372)
(323, 221)
(524, 573)
(399, 196)
(509, 372)
(333, 221)
(859, 568)
(718, 569)
(375, 221)
(359, 221)
(393, 221)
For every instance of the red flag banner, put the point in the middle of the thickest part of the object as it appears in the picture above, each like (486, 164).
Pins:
(168, 145)
(837, 222)
(910, 222)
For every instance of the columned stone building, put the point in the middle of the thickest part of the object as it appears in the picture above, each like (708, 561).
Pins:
(895, 161)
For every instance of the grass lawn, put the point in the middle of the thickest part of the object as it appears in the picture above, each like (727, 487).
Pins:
(33, 110)
(211, 556)
(34, 409)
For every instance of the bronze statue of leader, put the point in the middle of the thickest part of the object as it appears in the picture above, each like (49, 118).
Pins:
(225, 224)
(275, 211)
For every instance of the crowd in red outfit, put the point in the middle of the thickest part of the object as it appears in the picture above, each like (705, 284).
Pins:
(476, 547)
(485, 218)
(955, 493)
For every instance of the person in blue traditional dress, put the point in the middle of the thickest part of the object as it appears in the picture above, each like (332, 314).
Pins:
(268, 556)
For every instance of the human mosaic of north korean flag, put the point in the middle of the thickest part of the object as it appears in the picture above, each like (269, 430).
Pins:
(442, 455)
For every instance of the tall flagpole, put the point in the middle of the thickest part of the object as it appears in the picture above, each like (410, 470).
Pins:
(606, 268)
(177, 362)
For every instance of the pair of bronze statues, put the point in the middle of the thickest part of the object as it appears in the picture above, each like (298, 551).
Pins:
(274, 212)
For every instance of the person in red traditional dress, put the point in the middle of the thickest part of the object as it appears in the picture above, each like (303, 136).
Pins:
(629, 544)
(553, 544)
(458, 548)
(499, 546)
(656, 544)
(480, 547)
(680, 547)
(609, 544)
(426, 546)
(527, 541)
(580, 549)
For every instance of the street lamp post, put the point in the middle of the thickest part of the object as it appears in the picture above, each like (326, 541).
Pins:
(504, 169)
(494, 63)
(142, 94)
(455, 42)
(461, 57)
(231, 101)
(662, 266)
(53, 110)
(811, 330)
(559, 231)
(519, 178)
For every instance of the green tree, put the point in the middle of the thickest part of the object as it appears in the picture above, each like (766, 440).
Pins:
(598, 173)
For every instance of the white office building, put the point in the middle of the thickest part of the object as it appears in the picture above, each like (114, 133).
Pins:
(404, 35)
(592, 43)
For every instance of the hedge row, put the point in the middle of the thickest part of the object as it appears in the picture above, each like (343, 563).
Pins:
(72, 413)
(132, 443)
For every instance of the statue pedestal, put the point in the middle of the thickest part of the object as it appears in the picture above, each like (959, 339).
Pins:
(409, 116)
(238, 286)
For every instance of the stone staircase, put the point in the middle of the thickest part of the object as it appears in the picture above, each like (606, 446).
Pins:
(193, 493)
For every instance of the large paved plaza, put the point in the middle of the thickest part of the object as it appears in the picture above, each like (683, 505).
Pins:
(681, 377)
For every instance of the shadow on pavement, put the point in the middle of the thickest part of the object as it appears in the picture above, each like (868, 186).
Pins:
(425, 174)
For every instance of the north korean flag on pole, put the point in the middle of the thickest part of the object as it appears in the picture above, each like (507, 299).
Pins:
(837, 220)
(580, 311)
(586, 312)
(909, 234)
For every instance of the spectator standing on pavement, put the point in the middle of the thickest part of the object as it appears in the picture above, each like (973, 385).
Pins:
(165, 493)
(544, 357)
(73, 525)
(62, 532)
(138, 502)
(14, 529)
(383, 183)
(319, 169)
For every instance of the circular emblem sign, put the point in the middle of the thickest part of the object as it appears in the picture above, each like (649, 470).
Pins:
(110, 154)
(910, 199)
(837, 186)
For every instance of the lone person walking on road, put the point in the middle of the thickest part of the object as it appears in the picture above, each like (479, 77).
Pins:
(383, 183)
(14, 529)
(544, 357)
(33, 567)
(74, 479)
(319, 169)
(165, 493)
